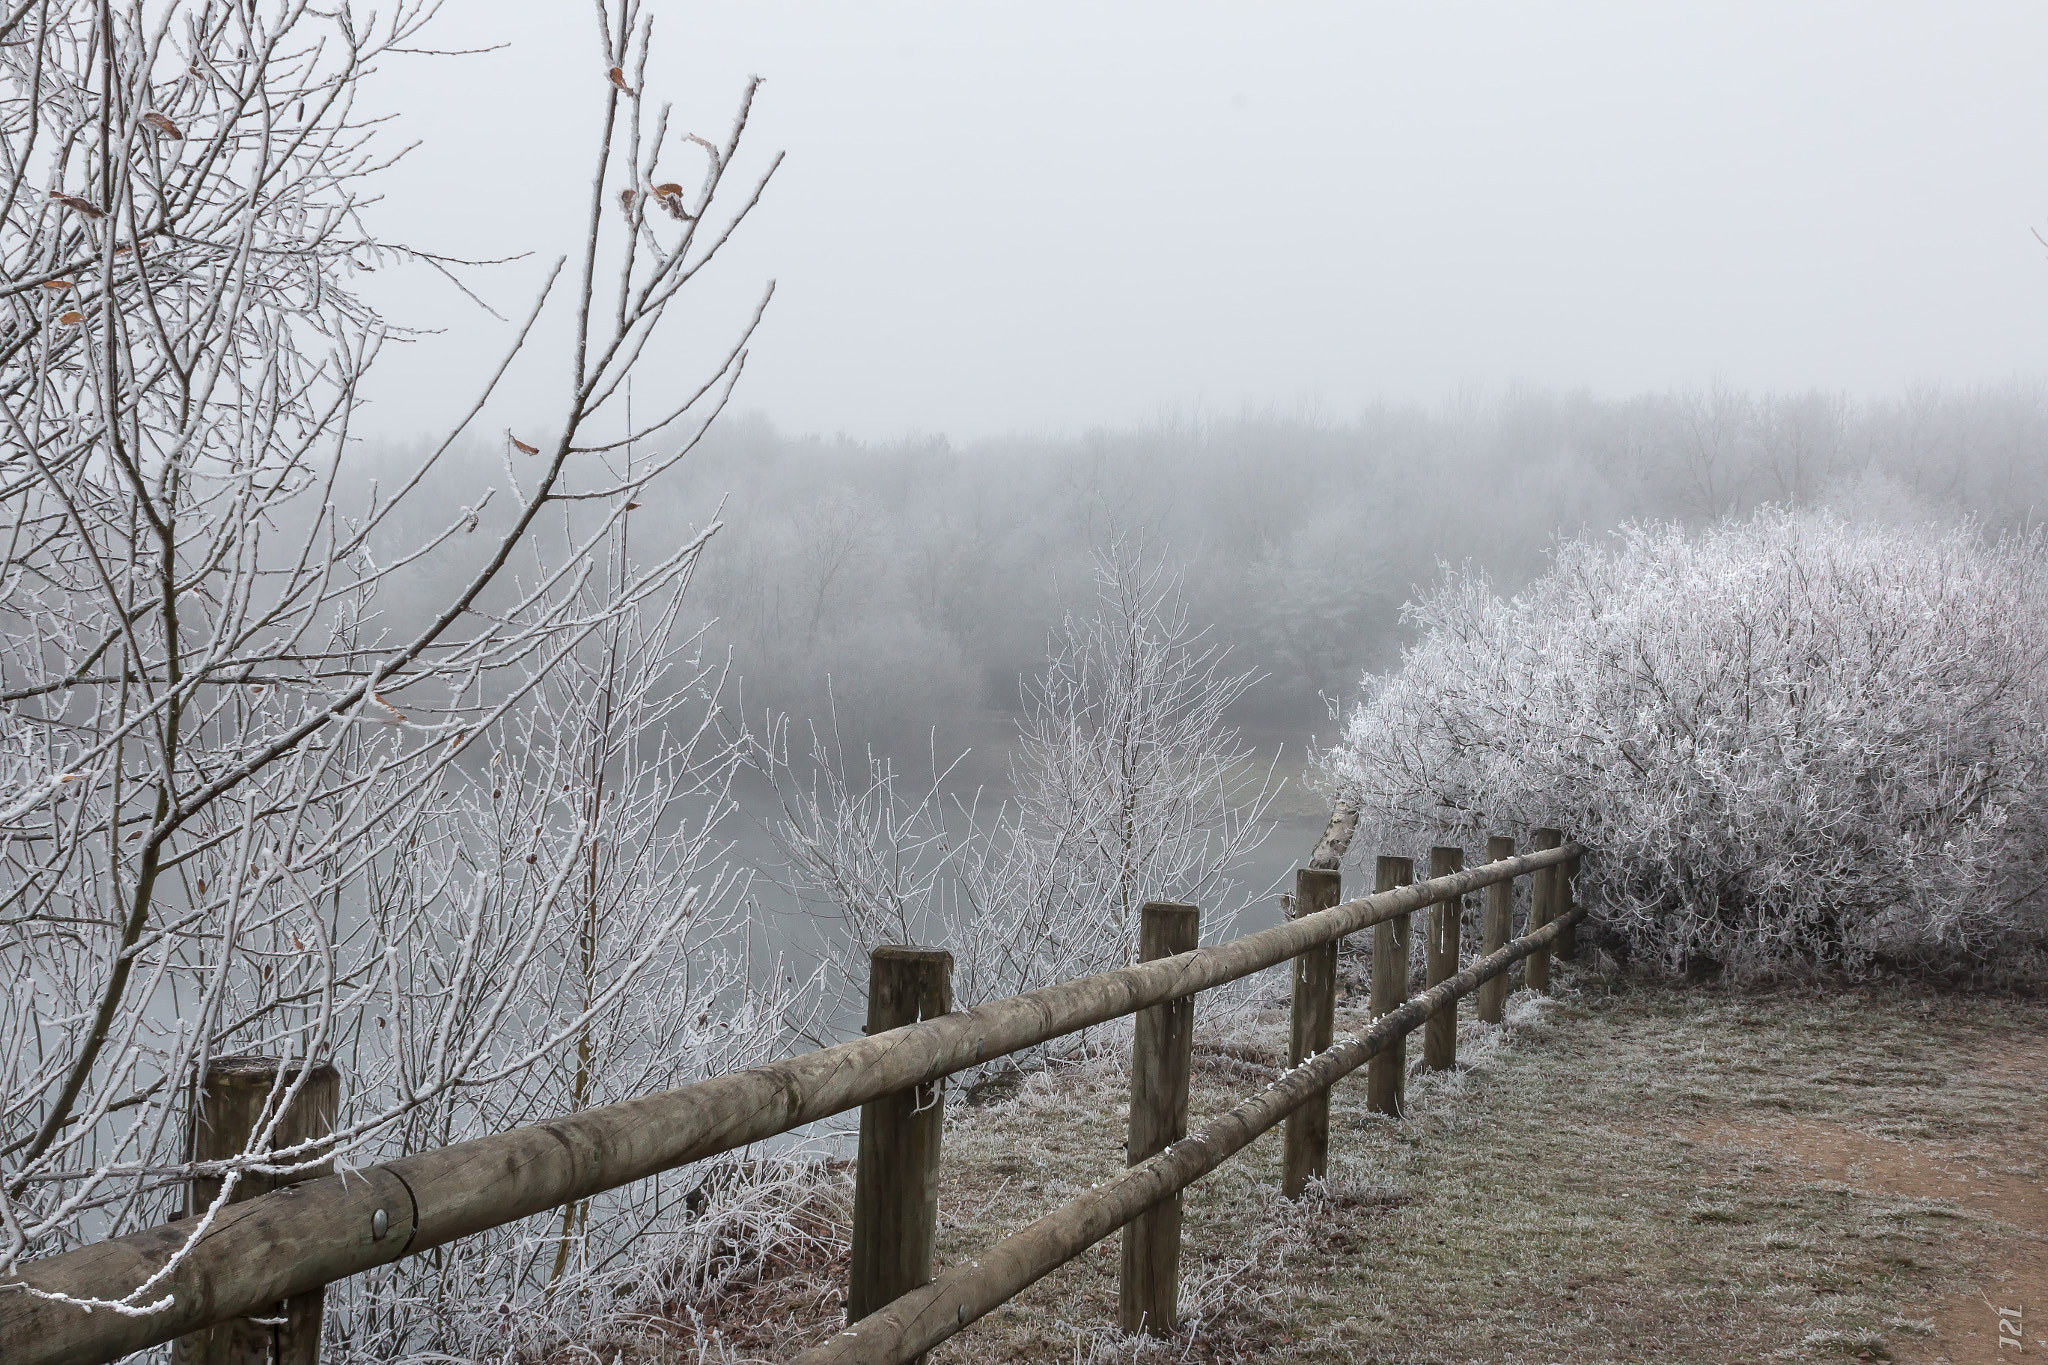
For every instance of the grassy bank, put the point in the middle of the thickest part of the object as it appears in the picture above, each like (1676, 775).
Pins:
(1628, 1172)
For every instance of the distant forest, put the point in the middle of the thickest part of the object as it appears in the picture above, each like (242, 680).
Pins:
(920, 576)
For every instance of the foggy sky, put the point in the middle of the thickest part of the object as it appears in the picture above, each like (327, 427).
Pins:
(1038, 218)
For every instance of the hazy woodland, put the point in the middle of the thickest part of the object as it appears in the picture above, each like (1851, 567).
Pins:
(910, 584)
(898, 598)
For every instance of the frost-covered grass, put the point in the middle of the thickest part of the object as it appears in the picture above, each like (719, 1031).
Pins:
(1559, 1200)
(1570, 1194)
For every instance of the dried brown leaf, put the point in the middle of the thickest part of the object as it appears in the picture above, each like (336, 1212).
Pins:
(617, 76)
(70, 317)
(522, 447)
(77, 205)
(58, 286)
(163, 124)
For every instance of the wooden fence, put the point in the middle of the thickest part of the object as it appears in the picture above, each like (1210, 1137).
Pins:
(268, 1257)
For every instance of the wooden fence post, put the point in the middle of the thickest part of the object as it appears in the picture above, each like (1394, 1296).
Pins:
(1148, 1294)
(1499, 928)
(895, 1176)
(1306, 1147)
(225, 1115)
(1386, 1077)
(1543, 908)
(1568, 941)
(1445, 933)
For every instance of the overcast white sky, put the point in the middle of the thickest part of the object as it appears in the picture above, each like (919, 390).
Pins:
(1008, 217)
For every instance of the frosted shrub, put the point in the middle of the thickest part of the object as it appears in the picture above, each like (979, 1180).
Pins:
(1793, 742)
(1129, 786)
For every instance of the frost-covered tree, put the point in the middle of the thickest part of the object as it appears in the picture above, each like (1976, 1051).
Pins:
(1129, 786)
(465, 845)
(1792, 741)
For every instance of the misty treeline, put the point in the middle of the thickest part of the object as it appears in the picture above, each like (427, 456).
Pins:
(922, 577)
(905, 600)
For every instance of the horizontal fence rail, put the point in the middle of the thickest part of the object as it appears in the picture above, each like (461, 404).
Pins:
(921, 1319)
(297, 1239)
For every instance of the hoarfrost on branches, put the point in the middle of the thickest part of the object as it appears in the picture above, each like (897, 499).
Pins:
(1129, 786)
(282, 774)
(1793, 741)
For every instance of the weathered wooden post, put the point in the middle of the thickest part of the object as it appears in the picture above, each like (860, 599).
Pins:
(1386, 1077)
(1306, 1152)
(1148, 1295)
(1568, 941)
(896, 1170)
(1498, 929)
(226, 1113)
(1440, 948)
(1542, 907)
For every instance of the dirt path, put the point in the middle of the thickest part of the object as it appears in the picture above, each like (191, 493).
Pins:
(2000, 1176)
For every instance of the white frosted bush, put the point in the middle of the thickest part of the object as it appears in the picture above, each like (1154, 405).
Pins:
(1792, 742)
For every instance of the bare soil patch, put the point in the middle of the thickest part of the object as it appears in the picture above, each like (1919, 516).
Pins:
(2001, 1177)
(1999, 1181)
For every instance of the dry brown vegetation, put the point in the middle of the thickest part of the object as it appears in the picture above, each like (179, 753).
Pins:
(1628, 1172)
